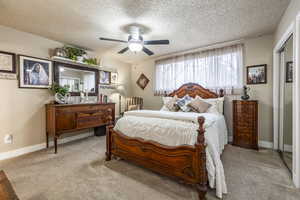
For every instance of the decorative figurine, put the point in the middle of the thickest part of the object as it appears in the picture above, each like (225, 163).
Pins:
(245, 93)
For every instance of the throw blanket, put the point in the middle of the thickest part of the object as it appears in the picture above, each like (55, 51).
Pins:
(179, 128)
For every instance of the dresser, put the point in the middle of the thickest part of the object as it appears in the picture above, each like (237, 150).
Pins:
(65, 118)
(245, 123)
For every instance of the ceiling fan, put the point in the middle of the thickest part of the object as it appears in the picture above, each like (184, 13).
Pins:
(136, 42)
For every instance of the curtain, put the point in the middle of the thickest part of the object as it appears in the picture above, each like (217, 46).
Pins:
(214, 69)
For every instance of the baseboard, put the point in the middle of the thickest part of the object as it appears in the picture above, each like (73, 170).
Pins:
(261, 143)
(288, 148)
(265, 144)
(37, 147)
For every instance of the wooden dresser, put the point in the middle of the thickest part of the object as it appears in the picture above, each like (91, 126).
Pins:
(245, 123)
(64, 118)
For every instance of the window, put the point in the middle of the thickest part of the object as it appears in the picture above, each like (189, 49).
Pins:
(213, 69)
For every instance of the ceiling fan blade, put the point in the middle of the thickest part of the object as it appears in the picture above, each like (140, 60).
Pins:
(156, 42)
(112, 40)
(123, 50)
(147, 51)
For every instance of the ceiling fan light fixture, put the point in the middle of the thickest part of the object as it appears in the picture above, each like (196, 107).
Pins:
(135, 46)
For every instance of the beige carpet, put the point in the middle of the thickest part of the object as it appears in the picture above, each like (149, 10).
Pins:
(79, 171)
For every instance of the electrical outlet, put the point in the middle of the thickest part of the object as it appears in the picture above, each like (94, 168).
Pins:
(8, 139)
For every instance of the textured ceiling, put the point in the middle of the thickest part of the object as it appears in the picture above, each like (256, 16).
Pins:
(186, 23)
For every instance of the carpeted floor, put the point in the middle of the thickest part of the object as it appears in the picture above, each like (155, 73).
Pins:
(79, 171)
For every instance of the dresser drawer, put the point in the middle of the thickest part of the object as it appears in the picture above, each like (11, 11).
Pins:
(91, 119)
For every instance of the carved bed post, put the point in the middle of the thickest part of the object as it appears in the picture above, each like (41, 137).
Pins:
(108, 142)
(200, 145)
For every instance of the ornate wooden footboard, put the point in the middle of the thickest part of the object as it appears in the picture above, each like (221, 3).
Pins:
(186, 163)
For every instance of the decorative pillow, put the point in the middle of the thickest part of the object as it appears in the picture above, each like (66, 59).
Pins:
(183, 103)
(133, 107)
(198, 105)
(166, 99)
(217, 104)
(170, 104)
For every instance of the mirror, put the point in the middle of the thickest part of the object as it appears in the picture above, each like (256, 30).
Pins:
(286, 98)
(288, 104)
(77, 78)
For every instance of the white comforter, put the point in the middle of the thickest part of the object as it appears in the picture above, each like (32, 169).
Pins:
(178, 128)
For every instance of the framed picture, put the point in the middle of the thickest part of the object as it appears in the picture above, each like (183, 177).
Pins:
(7, 62)
(114, 77)
(257, 74)
(142, 81)
(104, 77)
(289, 72)
(35, 72)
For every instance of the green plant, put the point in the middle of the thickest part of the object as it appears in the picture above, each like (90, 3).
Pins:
(73, 52)
(91, 61)
(59, 89)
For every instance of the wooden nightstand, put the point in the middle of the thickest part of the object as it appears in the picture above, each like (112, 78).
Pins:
(245, 123)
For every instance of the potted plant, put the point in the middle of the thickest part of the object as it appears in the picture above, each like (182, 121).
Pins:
(75, 53)
(91, 61)
(62, 94)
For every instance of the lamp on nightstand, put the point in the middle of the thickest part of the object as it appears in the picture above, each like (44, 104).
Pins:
(120, 89)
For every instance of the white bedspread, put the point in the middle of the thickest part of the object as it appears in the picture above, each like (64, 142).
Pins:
(178, 128)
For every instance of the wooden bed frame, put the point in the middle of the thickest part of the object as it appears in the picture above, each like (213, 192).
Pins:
(186, 163)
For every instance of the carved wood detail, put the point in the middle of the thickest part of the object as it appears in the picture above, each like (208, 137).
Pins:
(193, 89)
(186, 163)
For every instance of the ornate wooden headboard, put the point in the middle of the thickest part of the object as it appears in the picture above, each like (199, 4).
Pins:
(193, 89)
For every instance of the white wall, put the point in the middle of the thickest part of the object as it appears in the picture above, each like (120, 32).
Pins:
(257, 51)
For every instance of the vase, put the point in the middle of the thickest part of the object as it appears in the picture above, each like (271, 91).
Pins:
(245, 93)
(59, 98)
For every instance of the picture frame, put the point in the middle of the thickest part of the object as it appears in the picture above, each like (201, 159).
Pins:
(289, 72)
(7, 62)
(257, 74)
(114, 78)
(35, 72)
(142, 81)
(105, 77)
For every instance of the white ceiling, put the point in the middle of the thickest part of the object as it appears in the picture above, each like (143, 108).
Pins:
(186, 23)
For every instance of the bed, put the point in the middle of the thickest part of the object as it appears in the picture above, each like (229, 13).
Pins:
(174, 144)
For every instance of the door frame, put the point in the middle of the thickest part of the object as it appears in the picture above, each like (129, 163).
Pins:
(294, 29)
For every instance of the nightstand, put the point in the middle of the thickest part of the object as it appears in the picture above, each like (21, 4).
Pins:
(245, 123)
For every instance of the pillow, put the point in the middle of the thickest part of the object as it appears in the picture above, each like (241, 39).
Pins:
(133, 107)
(198, 105)
(166, 99)
(170, 104)
(216, 104)
(183, 103)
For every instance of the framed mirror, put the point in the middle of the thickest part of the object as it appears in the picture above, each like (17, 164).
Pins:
(77, 78)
